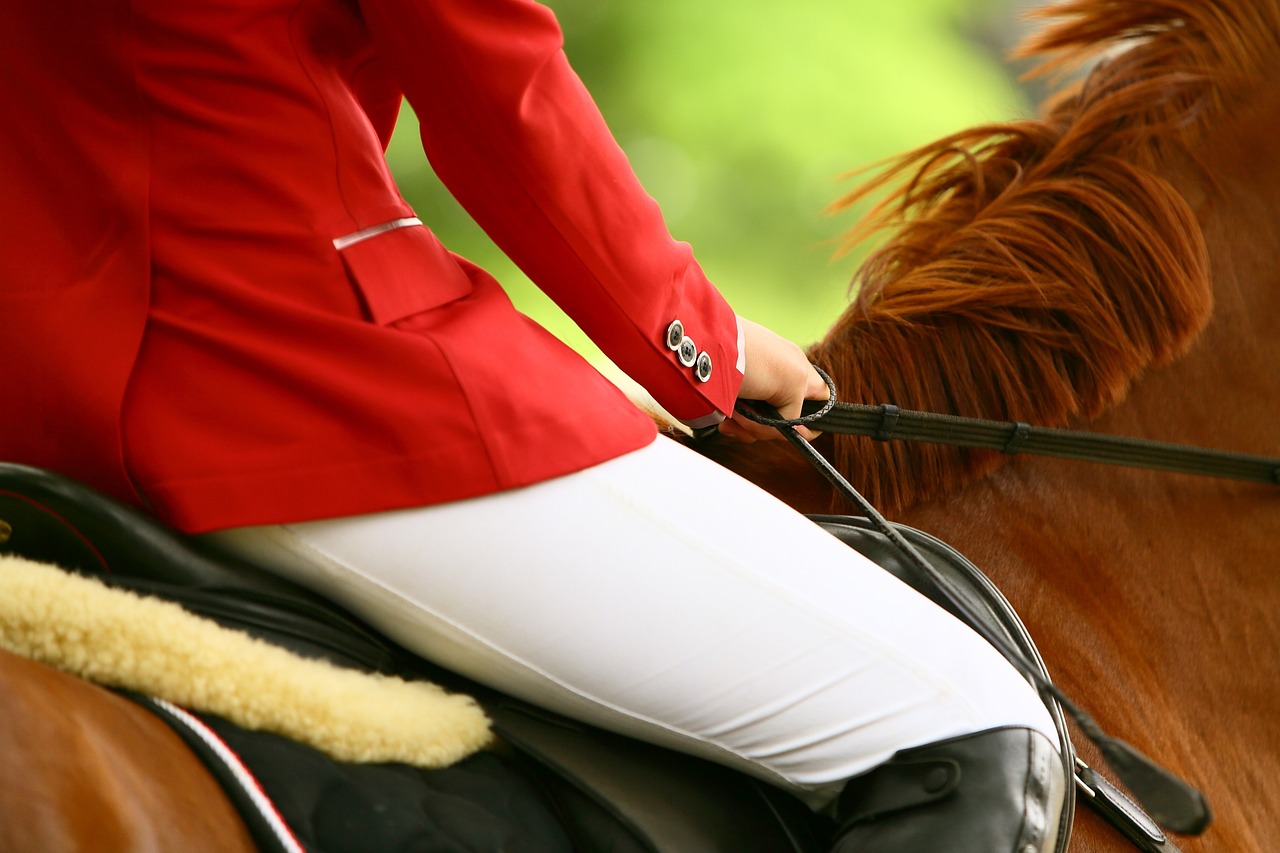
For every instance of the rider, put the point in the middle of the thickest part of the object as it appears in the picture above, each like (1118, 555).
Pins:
(217, 306)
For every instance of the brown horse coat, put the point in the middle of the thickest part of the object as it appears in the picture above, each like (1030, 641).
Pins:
(1112, 264)
(84, 769)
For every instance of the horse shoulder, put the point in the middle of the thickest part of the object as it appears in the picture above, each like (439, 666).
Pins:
(94, 769)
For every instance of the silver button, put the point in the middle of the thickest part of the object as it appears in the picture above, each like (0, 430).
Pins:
(688, 352)
(703, 369)
(675, 334)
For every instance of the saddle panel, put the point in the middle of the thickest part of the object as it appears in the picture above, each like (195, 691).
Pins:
(668, 800)
(954, 576)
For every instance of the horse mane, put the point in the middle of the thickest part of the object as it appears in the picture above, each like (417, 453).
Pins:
(1037, 267)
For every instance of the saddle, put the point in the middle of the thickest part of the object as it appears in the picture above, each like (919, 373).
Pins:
(553, 784)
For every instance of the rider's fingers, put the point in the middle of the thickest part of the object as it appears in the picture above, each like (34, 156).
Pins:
(748, 431)
(817, 388)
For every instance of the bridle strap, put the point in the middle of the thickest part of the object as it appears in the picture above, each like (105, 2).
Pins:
(888, 422)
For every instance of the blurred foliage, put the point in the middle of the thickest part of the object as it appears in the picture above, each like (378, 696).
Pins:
(741, 121)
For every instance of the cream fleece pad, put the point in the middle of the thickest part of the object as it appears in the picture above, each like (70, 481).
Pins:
(118, 638)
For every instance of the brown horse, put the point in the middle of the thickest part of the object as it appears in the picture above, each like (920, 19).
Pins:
(84, 769)
(1111, 264)
(1117, 264)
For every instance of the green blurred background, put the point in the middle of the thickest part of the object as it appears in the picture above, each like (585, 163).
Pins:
(741, 119)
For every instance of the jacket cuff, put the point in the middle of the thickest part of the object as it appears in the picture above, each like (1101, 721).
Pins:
(705, 421)
(716, 416)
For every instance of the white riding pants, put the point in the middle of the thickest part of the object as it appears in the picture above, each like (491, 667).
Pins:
(663, 597)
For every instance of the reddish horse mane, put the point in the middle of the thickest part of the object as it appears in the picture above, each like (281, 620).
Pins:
(1037, 267)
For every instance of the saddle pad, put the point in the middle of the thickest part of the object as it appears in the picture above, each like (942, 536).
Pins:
(120, 639)
(295, 799)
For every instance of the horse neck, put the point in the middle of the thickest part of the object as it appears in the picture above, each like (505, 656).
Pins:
(1221, 392)
(1225, 390)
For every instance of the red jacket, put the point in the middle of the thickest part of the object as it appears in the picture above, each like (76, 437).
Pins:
(207, 307)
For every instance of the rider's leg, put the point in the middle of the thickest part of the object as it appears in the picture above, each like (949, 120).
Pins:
(663, 597)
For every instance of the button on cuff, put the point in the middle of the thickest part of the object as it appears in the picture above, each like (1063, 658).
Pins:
(675, 334)
(688, 352)
(702, 369)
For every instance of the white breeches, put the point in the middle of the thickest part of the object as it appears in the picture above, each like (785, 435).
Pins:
(663, 597)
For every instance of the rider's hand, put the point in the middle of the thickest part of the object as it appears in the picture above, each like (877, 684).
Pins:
(778, 373)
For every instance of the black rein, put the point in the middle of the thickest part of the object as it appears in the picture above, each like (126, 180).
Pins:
(886, 422)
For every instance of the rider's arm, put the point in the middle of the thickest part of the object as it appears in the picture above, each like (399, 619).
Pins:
(514, 135)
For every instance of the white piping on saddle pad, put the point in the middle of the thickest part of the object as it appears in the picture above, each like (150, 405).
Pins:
(154, 647)
(244, 778)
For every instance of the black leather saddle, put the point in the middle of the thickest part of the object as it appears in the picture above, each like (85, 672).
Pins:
(561, 785)
(605, 791)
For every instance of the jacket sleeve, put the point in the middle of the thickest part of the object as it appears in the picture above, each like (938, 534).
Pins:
(514, 135)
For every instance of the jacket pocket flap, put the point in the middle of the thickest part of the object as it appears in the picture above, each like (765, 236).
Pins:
(403, 271)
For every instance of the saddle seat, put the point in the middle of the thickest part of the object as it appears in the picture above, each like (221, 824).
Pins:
(604, 791)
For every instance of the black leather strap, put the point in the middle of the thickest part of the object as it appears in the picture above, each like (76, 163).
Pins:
(1017, 437)
(1121, 812)
(773, 419)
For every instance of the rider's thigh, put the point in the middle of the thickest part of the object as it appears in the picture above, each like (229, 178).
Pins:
(663, 597)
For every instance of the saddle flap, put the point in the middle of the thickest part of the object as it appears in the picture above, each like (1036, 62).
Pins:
(668, 800)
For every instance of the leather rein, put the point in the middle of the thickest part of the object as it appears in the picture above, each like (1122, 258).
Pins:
(888, 422)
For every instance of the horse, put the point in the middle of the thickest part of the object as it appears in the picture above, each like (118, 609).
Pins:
(85, 769)
(1109, 264)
